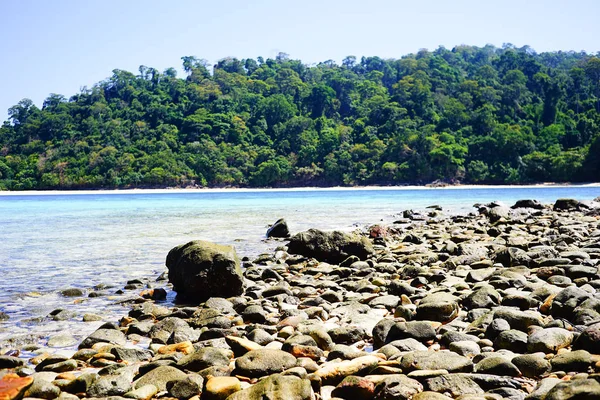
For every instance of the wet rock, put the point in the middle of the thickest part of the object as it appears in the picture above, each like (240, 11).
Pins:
(10, 362)
(199, 270)
(276, 387)
(279, 229)
(333, 247)
(263, 362)
(111, 336)
(72, 292)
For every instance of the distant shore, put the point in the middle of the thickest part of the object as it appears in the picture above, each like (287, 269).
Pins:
(293, 189)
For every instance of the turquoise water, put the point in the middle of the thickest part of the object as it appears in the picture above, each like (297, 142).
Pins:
(52, 242)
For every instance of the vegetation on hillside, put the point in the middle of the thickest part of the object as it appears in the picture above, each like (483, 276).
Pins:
(470, 114)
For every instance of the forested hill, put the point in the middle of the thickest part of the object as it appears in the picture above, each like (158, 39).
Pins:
(471, 115)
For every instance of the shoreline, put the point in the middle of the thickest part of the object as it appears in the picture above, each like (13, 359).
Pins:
(292, 189)
(426, 303)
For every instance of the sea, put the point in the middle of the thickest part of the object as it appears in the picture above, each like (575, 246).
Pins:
(54, 241)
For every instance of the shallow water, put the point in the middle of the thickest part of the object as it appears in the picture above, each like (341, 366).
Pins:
(53, 242)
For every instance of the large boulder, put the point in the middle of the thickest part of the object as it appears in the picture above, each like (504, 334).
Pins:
(333, 247)
(200, 270)
(568, 204)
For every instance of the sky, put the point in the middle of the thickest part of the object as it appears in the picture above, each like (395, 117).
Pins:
(60, 46)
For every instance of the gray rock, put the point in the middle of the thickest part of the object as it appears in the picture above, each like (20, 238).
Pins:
(517, 319)
(185, 388)
(497, 365)
(567, 300)
(62, 340)
(442, 307)
(159, 377)
(279, 229)
(578, 360)
(420, 360)
(543, 387)
(589, 339)
(549, 340)
(512, 340)
(42, 389)
(111, 336)
(109, 385)
(568, 205)
(575, 389)
(465, 348)
(276, 387)
(257, 363)
(455, 384)
(205, 358)
(419, 330)
(528, 203)
(131, 355)
(395, 386)
(512, 256)
(532, 365)
(333, 247)
(200, 270)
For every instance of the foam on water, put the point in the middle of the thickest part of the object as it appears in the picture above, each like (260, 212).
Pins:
(53, 242)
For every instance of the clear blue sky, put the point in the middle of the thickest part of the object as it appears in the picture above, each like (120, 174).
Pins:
(59, 46)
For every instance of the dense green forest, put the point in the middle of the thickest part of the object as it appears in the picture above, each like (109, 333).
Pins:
(470, 115)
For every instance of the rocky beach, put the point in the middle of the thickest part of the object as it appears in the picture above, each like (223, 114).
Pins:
(501, 303)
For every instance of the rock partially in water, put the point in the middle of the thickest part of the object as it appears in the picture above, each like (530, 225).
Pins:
(200, 270)
(279, 229)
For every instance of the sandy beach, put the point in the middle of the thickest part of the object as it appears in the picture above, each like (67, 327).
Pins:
(295, 189)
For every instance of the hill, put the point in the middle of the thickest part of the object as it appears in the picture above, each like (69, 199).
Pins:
(470, 114)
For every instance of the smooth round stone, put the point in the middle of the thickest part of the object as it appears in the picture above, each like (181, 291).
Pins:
(549, 340)
(465, 348)
(219, 388)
